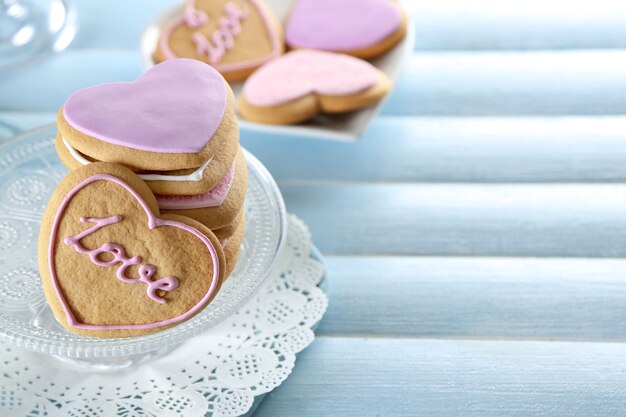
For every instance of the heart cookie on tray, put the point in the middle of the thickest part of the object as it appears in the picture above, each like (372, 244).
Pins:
(113, 266)
(300, 84)
(233, 36)
(362, 28)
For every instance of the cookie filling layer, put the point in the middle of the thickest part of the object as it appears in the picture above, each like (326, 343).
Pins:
(195, 176)
(213, 198)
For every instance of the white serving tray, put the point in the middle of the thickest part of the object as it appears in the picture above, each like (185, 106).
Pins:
(345, 127)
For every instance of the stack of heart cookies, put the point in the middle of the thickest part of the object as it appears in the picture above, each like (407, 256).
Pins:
(147, 225)
(175, 128)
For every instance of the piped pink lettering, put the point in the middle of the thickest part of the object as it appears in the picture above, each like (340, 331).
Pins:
(118, 255)
(223, 38)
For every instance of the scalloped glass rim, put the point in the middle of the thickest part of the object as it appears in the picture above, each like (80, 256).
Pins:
(263, 245)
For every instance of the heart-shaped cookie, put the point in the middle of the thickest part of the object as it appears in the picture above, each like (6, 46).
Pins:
(112, 266)
(363, 28)
(172, 117)
(233, 36)
(302, 83)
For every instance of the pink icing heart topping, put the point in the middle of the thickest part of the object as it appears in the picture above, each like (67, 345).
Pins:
(341, 25)
(303, 72)
(175, 107)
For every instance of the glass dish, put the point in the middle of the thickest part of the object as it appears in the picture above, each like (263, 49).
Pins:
(29, 170)
(32, 29)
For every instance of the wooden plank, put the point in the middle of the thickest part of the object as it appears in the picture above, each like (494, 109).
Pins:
(46, 86)
(448, 149)
(527, 298)
(462, 219)
(412, 377)
(439, 84)
(544, 83)
(532, 24)
(130, 17)
(441, 25)
(437, 149)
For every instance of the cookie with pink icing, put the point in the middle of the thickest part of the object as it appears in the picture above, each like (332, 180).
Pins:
(177, 116)
(113, 265)
(233, 36)
(303, 83)
(362, 28)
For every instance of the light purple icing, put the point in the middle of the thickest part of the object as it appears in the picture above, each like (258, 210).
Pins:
(175, 107)
(341, 25)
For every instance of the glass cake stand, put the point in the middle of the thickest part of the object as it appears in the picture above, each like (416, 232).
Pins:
(29, 171)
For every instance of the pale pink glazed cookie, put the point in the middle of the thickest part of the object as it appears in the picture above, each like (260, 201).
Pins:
(178, 115)
(362, 28)
(233, 36)
(303, 83)
(113, 266)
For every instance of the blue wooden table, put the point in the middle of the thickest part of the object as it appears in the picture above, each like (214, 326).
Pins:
(475, 237)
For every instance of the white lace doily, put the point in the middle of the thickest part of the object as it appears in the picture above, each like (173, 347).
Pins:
(220, 372)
